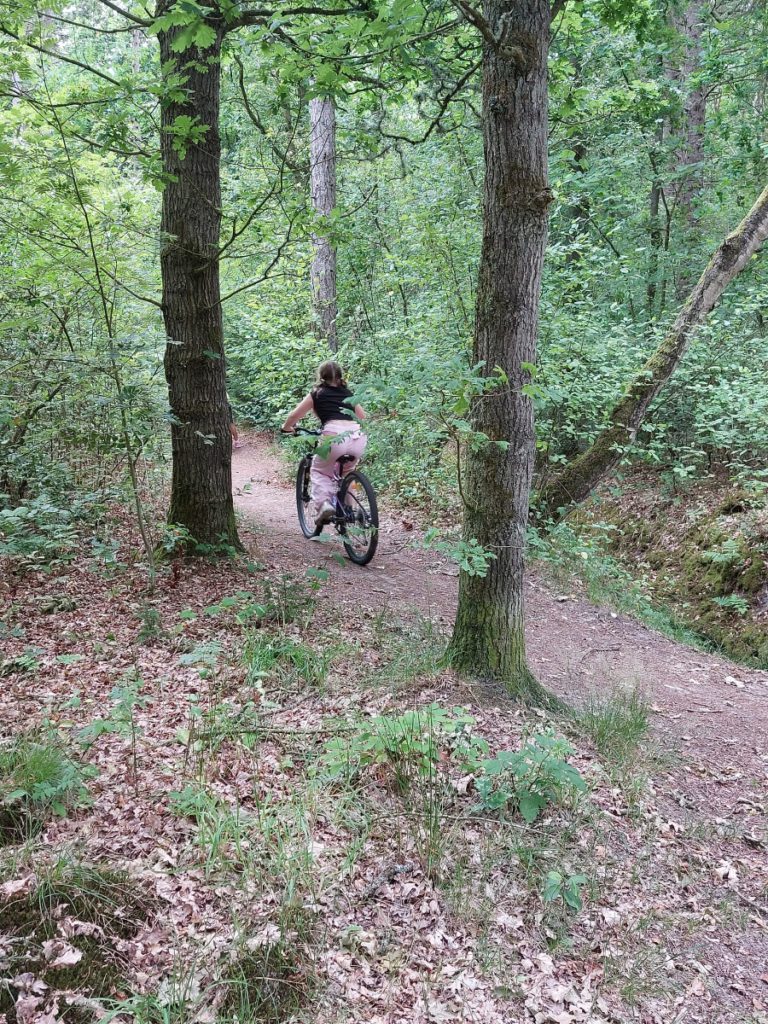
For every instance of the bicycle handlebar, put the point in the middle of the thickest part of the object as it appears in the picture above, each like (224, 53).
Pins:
(303, 430)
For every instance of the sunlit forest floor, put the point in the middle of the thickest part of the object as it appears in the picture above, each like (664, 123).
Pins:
(268, 801)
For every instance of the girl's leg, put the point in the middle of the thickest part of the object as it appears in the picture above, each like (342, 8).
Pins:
(323, 472)
(354, 446)
(322, 478)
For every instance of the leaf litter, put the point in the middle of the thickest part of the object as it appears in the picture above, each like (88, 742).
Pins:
(245, 854)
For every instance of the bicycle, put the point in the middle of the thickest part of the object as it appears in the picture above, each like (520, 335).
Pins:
(356, 513)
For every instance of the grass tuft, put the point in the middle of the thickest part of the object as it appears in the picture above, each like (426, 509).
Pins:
(267, 983)
(413, 650)
(617, 724)
(37, 779)
(104, 908)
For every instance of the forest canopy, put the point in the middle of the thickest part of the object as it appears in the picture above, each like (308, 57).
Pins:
(504, 771)
(643, 191)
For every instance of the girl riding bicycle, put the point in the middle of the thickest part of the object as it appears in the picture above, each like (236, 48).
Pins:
(332, 403)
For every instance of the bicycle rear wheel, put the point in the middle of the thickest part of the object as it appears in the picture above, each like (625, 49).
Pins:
(360, 527)
(303, 497)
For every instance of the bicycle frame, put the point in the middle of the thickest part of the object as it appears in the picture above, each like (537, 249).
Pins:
(342, 512)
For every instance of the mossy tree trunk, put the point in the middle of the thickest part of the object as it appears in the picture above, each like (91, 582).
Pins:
(488, 638)
(579, 479)
(201, 489)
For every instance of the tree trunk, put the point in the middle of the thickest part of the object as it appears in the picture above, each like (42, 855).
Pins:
(322, 159)
(488, 638)
(580, 478)
(689, 154)
(578, 207)
(654, 226)
(201, 490)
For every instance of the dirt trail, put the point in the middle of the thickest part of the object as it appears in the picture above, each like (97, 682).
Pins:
(713, 711)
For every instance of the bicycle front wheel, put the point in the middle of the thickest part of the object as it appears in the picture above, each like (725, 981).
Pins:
(359, 528)
(303, 497)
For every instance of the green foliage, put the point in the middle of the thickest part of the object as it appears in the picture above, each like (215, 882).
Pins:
(409, 745)
(733, 602)
(176, 539)
(529, 779)
(26, 663)
(37, 778)
(126, 699)
(617, 724)
(38, 533)
(564, 887)
(470, 556)
(151, 624)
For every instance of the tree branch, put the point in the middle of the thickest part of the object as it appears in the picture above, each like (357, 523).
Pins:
(145, 22)
(580, 477)
(260, 16)
(442, 107)
(498, 41)
(58, 56)
(90, 28)
(259, 280)
(558, 7)
(254, 117)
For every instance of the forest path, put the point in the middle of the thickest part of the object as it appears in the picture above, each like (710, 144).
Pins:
(714, 712)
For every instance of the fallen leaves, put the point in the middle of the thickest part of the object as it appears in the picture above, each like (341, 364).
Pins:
(59, 953)
(391, 945)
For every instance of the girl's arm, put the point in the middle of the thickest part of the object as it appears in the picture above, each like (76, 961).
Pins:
(305, 406)
(360, 412)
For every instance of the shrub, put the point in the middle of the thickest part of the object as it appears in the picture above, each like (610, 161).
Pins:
(410, 745)
(529, 779)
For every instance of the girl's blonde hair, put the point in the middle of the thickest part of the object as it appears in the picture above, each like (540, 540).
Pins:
(331, 374)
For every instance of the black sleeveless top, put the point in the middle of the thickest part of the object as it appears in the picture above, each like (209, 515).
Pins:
(330, 403)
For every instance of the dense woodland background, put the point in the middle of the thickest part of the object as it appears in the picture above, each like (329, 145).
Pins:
(657, 148)
(245, 785)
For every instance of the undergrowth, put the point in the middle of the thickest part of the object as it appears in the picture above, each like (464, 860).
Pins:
(37, 779)
(95, 905)
(567, 555)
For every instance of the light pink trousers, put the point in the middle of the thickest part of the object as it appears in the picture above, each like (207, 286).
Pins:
(324, 467)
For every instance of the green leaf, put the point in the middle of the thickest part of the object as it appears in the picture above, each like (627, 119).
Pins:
(205, 36)
(553, 886)
(530, 806)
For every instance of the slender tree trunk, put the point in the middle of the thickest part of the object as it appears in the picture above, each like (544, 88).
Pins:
(689, 155)
(654, 232)
(578, 207)
(201, 494)
(654, 226)
(488, 638)
(580, 478)
(322, 145)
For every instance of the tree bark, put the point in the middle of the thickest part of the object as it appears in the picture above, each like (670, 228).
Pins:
(689, 154)
(580, 478)
(488, 637)
(655, 234)
(322, 148)
(201, 488)
(578, 207)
